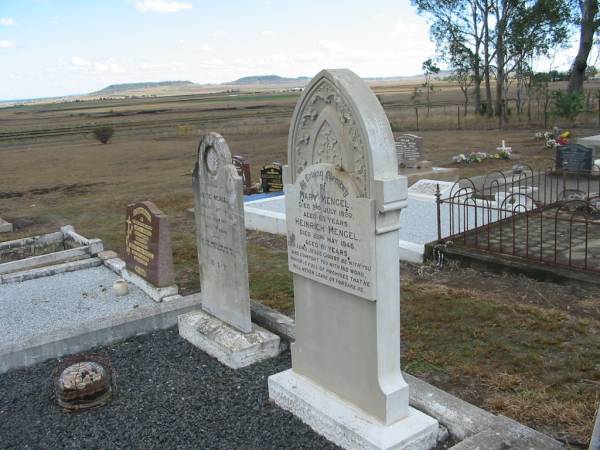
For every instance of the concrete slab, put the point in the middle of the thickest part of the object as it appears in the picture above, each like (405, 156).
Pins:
(229, 345)
(91, 333)
(48, 304)
(345, 425)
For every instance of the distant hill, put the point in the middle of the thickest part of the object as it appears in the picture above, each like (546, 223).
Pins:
(116, 88)
(266, 79)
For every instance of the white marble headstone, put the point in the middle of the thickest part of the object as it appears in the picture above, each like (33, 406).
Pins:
(343, 201)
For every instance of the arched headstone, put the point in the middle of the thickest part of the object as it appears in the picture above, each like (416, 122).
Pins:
(343, 202)
(227, 331)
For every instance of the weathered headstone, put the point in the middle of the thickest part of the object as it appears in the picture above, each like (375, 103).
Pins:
(343, 202)
(574, 158)
(243, 169)
(148, 251)
(227, 331)
(271, 178)
(409, 150)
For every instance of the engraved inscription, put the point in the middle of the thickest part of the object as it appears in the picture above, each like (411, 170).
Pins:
(330, 231)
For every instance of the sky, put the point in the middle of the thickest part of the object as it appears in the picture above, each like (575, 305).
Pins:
(63, 47)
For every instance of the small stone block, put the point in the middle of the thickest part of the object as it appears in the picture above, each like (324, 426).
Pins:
(5, 227)
(346, 425)
(230, 346)
(117, 265)
(107, 254)
(95, 246)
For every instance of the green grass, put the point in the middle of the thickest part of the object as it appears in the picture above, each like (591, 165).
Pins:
(270, 280)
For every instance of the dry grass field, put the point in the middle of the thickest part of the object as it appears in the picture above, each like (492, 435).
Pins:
(536, 363)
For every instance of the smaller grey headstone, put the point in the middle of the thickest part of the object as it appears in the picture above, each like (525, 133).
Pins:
(409, 150)
(574, 158)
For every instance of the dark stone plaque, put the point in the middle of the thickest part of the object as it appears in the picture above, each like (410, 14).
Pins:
(574, 158)
(148, 251)
(243, 168)
(409, 150)
(271, 177)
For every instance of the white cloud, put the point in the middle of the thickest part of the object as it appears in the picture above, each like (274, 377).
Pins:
(206, 48)
(268, 33)
(151, 67)
(7, 22)
(6, 44)
(80, 62)
(162, 6)
(331, 46)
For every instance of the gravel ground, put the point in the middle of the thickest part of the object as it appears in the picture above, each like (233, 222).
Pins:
(170, 395)
(51, 303)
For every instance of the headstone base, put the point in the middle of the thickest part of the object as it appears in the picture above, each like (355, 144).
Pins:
(230, 346)
(156, 293)
(344, 424)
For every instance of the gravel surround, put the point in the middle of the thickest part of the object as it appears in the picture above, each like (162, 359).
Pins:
(51, 303)
(169, 395)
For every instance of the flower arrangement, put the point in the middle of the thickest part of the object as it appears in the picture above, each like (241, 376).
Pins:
(478, 157)
(553, 141)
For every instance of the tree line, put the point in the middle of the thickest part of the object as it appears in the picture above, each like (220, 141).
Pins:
(490, 43)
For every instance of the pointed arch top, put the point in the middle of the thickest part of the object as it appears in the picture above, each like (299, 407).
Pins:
(338, 120)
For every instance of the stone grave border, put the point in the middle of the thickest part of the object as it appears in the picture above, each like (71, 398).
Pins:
(83, 254)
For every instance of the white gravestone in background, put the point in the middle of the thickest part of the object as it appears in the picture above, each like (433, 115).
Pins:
(227, 332)
(343, 202)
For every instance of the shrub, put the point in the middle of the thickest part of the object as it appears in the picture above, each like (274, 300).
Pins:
(103, 134)
(567, 105)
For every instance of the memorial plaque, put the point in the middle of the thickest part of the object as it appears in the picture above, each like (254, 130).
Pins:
(271, 177)
(330, 238)
(409, 150)
(221, 234)
(574, 158)
(243, 169)
(148, 251)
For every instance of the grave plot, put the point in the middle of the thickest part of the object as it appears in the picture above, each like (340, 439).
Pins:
(535, 216)
(61, 293)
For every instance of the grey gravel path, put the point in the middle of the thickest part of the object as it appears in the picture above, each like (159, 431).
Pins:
(51, 303)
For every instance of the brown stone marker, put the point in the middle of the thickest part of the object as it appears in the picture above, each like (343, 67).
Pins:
(243, 168)
(148, 251)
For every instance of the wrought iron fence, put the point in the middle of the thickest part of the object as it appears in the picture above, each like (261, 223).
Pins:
(543, 216)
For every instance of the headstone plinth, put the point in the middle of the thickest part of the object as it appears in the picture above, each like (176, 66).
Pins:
(224, 329)
(343, 203)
